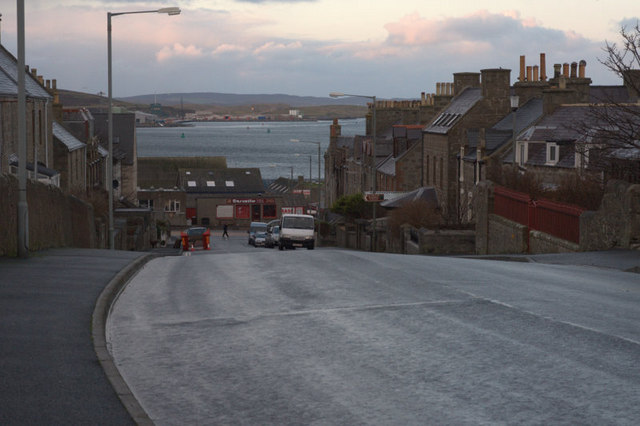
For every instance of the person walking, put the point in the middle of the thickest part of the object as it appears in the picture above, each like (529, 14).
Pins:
(225, 234)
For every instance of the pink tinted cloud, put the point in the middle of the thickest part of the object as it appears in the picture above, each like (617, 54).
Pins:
(168, 52)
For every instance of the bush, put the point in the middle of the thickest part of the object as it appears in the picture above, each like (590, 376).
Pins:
(351, 206)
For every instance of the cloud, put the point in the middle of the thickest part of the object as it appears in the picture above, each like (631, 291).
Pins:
(178, 50)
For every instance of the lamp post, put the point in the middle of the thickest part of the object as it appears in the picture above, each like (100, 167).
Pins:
(319, 160)
(374, 178)
(23, 207)
(168, 10)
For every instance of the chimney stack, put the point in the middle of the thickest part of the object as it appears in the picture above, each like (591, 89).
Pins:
(556, 70)
(543, 67)
(574, 70)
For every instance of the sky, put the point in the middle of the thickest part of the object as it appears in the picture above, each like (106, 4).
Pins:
(390, 49)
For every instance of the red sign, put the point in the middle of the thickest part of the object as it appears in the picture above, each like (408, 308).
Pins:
(251, 201)
(373, 197)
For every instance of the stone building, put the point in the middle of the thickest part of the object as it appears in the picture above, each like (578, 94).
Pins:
(70, 157)
(125, 151)
(481, 99)
(39, 117)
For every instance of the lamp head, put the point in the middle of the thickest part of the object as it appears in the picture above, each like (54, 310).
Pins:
(170, 10)
(336, 94)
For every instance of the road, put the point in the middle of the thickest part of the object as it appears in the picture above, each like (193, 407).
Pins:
(258, 336)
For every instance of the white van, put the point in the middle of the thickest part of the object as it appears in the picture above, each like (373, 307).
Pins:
(296, 230)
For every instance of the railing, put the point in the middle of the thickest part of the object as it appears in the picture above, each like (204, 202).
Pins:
(557, 219)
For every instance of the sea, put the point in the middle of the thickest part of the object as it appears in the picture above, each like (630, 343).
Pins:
(277, 148)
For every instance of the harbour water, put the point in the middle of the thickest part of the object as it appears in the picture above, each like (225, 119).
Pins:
(265, 145)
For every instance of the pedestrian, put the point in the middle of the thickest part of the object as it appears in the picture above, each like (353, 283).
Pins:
(225, 234)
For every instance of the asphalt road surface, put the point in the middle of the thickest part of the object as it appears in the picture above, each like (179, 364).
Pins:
(259, 336)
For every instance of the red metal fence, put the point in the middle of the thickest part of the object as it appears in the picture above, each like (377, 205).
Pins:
(557, 219)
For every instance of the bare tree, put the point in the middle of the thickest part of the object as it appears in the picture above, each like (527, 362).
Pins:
(608, 135)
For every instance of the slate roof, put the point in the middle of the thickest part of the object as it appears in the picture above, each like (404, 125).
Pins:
(502, 132)
(427, 193)
(221, 181)
(42, 169)
(609, 94)
(387, 166)
(63, 135)
(9, 78)
(458, 107)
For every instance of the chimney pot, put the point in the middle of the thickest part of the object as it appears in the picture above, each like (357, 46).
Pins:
(535, 73)
(522, 62)
(583, 66)
(556, 70)
(565, 69)
(529, 73)
(574, 70)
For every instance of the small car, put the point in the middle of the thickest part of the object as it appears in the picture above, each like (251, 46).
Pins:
(253, 228)
(273, 236)
(260, 239)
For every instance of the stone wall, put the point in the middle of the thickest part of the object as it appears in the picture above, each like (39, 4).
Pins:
(505, 236)
(55, 219)
(616, 223)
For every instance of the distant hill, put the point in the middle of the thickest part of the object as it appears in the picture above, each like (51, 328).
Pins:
(227, 99)
(220, 103)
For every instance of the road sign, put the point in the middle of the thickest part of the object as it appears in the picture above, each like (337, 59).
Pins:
(373, 197)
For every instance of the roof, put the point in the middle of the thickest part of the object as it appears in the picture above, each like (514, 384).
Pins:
(457, 108)
(63, 135)
(9, 78)
(502, 132)
(387, 166)
(426, 193)
(42, 169)
(221, 181)
(162, 172)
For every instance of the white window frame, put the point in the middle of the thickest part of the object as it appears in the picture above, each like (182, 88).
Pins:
(552, 147)
(172, 206)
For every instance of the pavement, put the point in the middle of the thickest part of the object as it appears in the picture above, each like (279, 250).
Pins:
(53, 354)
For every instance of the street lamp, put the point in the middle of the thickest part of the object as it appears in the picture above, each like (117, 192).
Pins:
(319, 179)
(168, 10)
(374, 180)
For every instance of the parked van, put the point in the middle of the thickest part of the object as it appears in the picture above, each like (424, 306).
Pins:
(296, 230)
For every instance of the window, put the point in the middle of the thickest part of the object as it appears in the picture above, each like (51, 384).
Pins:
(269, 211)
(224, 212)
(523, 152)
(230, 183)
(243, 211)
(211, 183)
(191, 183)
(172, 206)
(552, 153)
(146, 204)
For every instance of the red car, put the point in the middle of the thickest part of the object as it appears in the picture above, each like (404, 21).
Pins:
(193, 235)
